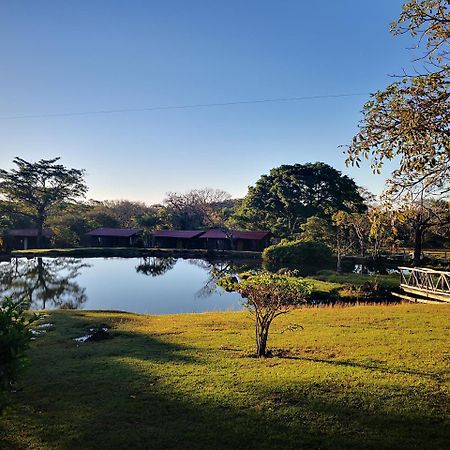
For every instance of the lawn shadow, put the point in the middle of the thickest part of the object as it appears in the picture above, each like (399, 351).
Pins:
(141, 391)
(282, 354)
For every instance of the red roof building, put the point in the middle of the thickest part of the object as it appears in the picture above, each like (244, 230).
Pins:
(26, 238)
(115, 237)
(235, 240)
(176, 238)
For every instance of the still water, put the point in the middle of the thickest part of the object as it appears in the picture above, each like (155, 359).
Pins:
(144, 285)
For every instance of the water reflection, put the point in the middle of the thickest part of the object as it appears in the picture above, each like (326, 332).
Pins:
(145, 285)
(215, 270)
(44, 283)
(154, 266)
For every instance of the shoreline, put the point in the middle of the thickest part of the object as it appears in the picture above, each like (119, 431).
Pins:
(132, 252)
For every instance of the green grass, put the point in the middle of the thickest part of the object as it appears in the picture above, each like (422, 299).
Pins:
(361, 377)
(355, 279)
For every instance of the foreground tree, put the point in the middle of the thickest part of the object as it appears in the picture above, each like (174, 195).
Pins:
(15, 336)
(282, 200)
(34, 189)
(267, 297)
(410, 119)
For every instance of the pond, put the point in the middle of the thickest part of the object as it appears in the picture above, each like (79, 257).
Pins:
(144, 285)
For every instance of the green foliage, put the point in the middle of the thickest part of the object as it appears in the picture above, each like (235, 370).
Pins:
(306, 257)
(317, 229)
(267, 296)
(267, 289)
(282, 200)
(14, 339)
(409, 120)
(36, 189)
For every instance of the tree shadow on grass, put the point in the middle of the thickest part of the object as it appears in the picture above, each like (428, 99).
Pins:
(377, 367)
(147, 392)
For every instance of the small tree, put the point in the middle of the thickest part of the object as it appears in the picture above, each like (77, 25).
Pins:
(267, 297)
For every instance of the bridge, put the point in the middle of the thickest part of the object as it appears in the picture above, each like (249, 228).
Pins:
(424, 285)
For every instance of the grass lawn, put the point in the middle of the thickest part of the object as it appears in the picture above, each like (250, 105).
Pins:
(358, 377)
(387, 281)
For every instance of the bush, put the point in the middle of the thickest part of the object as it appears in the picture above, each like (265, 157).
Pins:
(14, 339)
(307, 257)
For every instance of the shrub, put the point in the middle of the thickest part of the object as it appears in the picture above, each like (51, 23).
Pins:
(307, 257)
(267, 296)
(14, 339)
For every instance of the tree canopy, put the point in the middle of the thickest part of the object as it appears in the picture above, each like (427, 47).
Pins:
(33, 189)
(267, 296)
(282, 200)
(410, 119)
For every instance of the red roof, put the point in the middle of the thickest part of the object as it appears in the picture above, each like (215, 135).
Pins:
(178, 234)
(30, 232)
(251, 235)
(114, 232)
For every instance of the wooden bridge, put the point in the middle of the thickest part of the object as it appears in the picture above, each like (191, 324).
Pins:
(424, 285)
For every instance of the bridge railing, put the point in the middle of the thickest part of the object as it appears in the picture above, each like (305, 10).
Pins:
(425, 281)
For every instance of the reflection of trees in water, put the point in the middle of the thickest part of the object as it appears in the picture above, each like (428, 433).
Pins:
(48, 283)
(216, 270)
(153, 266)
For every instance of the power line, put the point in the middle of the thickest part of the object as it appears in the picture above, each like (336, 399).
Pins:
(192, 106)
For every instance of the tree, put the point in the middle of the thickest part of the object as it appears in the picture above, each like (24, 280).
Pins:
(344, 238)
(423, 205)
(33, 189)
(383, 232)
(125, 213)
(410, 119)
(197, 208)
(282, 200)
(316, 229)
(267, 297)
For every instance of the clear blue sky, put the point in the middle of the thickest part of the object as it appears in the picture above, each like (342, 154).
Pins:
(59, 57)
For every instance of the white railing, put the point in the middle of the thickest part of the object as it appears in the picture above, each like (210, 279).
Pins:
(426, 282)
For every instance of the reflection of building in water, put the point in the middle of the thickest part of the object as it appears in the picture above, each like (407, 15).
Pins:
(43, 283)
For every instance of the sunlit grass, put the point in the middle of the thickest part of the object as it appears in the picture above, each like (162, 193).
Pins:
(359, 377)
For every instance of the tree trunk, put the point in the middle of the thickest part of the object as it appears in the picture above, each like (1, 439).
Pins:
(418, 238)
(261, 340)
(40, 229)
(339, 262)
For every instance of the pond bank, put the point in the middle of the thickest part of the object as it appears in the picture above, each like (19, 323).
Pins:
(134, 252)
(363, 377)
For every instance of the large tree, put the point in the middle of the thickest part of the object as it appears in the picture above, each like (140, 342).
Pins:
(409, 121)
(282, 200)
(34, 189)
(197, 208)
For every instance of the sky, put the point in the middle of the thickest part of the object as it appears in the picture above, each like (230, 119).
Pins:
(90, 55)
